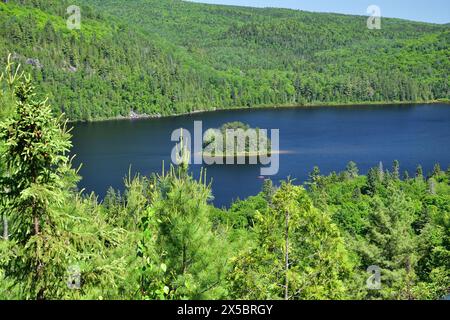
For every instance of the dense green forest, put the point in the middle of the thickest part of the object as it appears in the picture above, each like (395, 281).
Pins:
(244, 140)
(162, 238)
(163, 57)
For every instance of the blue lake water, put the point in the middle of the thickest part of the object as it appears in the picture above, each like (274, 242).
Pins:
(328, 137)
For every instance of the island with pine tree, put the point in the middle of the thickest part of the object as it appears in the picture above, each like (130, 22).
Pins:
(248, 142)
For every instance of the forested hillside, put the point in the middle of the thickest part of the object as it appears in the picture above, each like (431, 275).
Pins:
(162, 57)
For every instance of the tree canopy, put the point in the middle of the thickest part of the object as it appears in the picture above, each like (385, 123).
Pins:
(153, 57)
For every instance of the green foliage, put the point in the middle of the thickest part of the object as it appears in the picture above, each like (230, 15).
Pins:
(35, 165)
(237, 137)
(299, 253)
(185, 241)
(352, 170)
(154, 57)
(161, 238)
(400, 226)
(51, 231)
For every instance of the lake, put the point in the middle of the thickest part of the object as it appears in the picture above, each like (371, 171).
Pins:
(328, 137)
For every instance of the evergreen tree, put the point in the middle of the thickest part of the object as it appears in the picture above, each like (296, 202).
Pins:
(434, 263)
(299, 253)
(35, 148)
(419, 172)
(185, 241)
(432, 186)
(268, 190)
(52, 238)
(396, 170)
(436, 170)
(314, 178)
(406, 176)
(372, 180)
(392, 243)
(352, 170)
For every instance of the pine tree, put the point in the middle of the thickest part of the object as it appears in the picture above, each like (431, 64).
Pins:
(436, 170)
(432, 186)
(396, 170)
(392, 243)
(299, 253)
(52, 233)
(185, 240)
(352, 170)
(268, 190)
(406, 176)
(315, 178)
(35, 148)
(372, 181)
(419, 172)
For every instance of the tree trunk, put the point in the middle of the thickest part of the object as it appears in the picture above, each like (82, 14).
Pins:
(183, 262)
(36, 225)
(286, 288)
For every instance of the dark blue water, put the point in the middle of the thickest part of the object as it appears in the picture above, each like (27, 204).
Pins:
(329, 137)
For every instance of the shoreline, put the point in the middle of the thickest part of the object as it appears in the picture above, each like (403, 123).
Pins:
(134, 116)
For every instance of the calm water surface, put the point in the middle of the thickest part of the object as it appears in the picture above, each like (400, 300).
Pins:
(329, 137)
